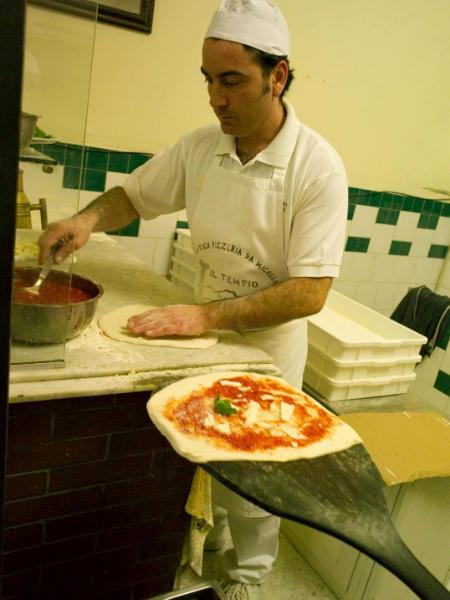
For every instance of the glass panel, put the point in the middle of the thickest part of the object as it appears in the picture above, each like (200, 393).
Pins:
(56, 81)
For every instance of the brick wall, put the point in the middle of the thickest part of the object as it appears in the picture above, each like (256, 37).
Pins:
(94, 501)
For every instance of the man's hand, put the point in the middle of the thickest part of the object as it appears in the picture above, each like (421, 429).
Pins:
(75, 232)
(178, 319)
(111, 210)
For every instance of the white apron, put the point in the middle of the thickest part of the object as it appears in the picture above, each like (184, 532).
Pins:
(238, 234)
(238, 237)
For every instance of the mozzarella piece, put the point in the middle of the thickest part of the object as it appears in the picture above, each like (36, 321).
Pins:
(286, 411)
(209, 421)
(222, 427)
(267, 397)
(232, 383)
(251, 414)
(292, 432)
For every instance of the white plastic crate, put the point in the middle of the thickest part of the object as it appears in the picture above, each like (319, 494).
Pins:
(360, 369)
(348, 389)
(347, 330)
(184, 239)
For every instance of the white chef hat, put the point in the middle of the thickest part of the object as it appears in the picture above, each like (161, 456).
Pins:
(256, 23)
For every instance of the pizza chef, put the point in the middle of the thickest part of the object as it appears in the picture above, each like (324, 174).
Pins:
(266, 202)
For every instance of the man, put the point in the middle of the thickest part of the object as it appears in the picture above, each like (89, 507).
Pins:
(266, 202)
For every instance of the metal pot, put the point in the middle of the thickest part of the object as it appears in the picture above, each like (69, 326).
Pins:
(27, 129)
(52, 323)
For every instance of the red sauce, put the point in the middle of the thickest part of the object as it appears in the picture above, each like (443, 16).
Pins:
(189, 415)
(50, 292)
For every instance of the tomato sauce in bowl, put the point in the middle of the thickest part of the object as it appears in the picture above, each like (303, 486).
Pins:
(63, 308)
(50, 292)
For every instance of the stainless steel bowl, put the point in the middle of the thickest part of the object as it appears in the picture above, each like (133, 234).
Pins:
(53, 323)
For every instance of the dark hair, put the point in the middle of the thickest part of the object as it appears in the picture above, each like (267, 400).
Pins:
(268, 62)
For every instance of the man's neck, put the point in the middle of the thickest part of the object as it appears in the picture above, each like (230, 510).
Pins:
(246, 149)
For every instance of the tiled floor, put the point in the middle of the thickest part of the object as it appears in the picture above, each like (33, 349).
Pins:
(291, 579)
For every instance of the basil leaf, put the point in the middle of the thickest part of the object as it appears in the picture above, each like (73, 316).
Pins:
(223, 406)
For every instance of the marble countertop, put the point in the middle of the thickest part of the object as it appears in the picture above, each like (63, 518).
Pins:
(96, 365)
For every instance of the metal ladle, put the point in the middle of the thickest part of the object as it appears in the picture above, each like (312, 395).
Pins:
(34, 289)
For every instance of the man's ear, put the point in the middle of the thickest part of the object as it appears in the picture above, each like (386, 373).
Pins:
(279, 78)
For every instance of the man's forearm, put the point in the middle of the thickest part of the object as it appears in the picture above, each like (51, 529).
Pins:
(297, 297)
(110, 210)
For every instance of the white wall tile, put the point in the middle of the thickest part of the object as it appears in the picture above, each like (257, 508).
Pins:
(406, 226)
(365, 293)
(381, 239)
(388, 296)
(163, 227)
(363, 221)
(348, 288)
(404, 268)
(442, 232)
(345, 271)
(421, 242)
(420, 272)
(434, 270)
(444, 277)
(362, 266)
(113, 179)
(182, 215)
(384, 268)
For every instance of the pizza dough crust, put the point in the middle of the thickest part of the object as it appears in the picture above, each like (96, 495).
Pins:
(199, 450)
(114, 325)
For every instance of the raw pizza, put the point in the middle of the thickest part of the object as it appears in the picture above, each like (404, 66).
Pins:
(245, 416)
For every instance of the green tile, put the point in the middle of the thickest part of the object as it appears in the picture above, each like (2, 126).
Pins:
(350, 211)
(182, 225)
(387, 216)
(437, 251)
(376, 199)
(118, 162)
(97, 159)
(399, 248)
(442, 382)
(93, 180)
(437, 207)
(408, 203)
(390, 200)
(357, 244)
(72, 177)
(54, 151)
(131, 230)
(136, 160)
(74, 157)
(428, 221)
(418, 204)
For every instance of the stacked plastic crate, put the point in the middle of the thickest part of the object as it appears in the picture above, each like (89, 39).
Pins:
(182, 261)
(356, 352)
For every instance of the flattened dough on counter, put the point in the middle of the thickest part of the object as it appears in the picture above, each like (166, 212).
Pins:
(114, 325)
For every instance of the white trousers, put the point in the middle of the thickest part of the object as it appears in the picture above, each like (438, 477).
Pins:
(254, 534)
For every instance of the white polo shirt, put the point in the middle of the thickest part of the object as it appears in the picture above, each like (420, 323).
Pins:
(315, 188)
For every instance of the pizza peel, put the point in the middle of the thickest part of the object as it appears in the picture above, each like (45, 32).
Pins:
(340, 494)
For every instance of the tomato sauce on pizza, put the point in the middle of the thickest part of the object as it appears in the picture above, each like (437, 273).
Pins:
(249, 414)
